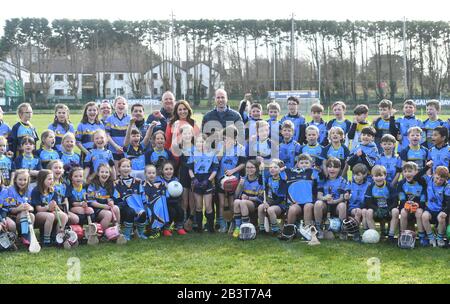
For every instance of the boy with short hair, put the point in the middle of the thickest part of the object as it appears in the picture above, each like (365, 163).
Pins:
(381, 202)
(355, 193)
(440, 152)
(433, 107)
(339, 108)
(289, 148)
(336, 148)
(273, 109)
(255, 115)
(414, 151)
(316, 114)
(312, 147)
(366, 151)
(294, 116)
(406, 122)
(360, 122)
(438, 197)
(390, 160)
(385, 124)
(330, 196)
(411, 194)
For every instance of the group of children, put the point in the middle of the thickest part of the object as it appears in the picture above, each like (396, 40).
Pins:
(287, 169)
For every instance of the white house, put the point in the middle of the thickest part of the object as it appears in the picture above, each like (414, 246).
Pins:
(163, 75)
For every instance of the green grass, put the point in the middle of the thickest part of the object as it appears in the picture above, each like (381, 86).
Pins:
(218, 258)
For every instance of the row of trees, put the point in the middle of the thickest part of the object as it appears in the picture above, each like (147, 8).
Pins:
(358, 60)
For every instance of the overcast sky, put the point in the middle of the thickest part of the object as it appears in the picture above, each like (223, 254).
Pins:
(226, 9)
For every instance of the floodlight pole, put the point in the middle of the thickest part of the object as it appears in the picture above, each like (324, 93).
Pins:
(292, 51)
(405, 75)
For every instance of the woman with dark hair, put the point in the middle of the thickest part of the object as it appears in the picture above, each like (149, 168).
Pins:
(182, 115)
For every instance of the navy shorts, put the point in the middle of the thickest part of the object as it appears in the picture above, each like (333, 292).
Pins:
(209, 188)
(434, 216)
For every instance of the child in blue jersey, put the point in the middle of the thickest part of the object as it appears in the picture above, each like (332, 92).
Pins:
(440, 152)
(273, 109)
(26, 159)
(381, 202)
(68, 157)
(124, 187)
(6, 223)
(316, 115)
(355, 193)
(275, 205)
(97, 156)
(6, 164)
(411, 193)
(76, 195)
(330, 196)
(22, 128)
(46, 153)
(366, 151)
(158, 154)
(16, 202)
(231, 158)
(152, 193)
(337, 149)
(105, 109)
(134, 150)
(61, 124)
(414, 151)
(86, 128)
(60, 186)
(385, 124)
(390, 160)
(99, 196)
(262, 147)
(203, 167)
(433, 107)
(438, 199)
(312, 147)
(289, 148)
(116, 127)
(360, 122)
(176, 215)
(44, 199)
(403, 124)
(5, 130)
(256, 113)
(249, 195)
(301, 190)
(338, 109)
(294, 116)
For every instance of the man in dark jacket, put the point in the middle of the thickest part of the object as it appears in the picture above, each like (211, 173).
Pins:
(165, 114)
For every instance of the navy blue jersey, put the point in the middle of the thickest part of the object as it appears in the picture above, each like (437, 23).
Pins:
(336, 187)
(275, 127)
(156, 157)
(85, 132)
(117, 128)
(438, 197)
(298, 121)
(60, 188)
(98, 194)
(393, 165)
(403, 124)
(341, 153)
(289, 152)
(343, 124)
(11, 199)
(46, 156)
(381, 197)
(302, 185)
(27, 162)
(78, 194)
(6, 168)
(384, 126)
(369, 155)
(136, 155)
(428, 127)
(232, 157)
(417, 155)
(124, 187)
(439, 156)
(19, 130)
(250, 128)
(411, 191)
(42, 199)
(276, 190)
(96, 157)
(60, 131)
(5, 130)
(253, 189)
(358, 193)
(315, 152)
(151, 191)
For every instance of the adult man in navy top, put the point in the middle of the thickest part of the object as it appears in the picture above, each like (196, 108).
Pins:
(222, 116)
(165, 114)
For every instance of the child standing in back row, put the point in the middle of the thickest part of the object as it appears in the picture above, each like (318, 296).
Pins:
(61, 124)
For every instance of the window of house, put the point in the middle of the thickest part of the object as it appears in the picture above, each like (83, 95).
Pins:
(155, 91)
(108, 91)
(189, 77)
(59, 92)
(118, 77)
(107, 77)
(59, 77)
(155, 76)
